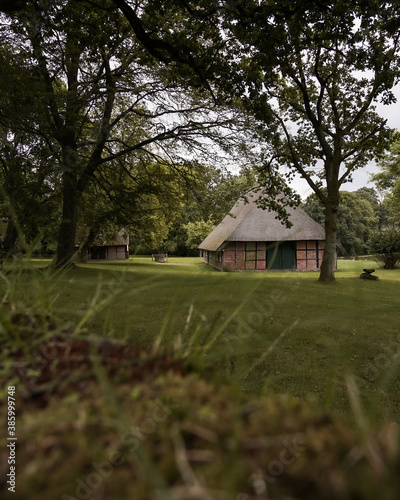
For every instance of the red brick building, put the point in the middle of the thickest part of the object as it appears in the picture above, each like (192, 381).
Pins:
(253, 239)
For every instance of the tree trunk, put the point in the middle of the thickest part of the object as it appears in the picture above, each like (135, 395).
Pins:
(10, 238)
(67, 233)
(328, 267)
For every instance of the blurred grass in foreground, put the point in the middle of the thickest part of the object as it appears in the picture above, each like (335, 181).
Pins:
(169, 382)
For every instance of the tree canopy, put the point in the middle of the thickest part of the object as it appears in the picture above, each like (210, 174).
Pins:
(310, 72)
(106, 107)
(320, 80)
(385, 245)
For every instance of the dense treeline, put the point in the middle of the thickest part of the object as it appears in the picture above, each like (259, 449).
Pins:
(360, 215)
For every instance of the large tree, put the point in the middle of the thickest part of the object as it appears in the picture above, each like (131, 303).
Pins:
(106, 100)
(321, 83)
(29, 201)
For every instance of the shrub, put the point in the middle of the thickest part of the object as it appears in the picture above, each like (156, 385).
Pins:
(386, 245)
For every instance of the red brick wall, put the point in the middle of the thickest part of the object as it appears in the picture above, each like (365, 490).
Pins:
(229, 266)
(261, 265)
(241, 256)
(309, 254)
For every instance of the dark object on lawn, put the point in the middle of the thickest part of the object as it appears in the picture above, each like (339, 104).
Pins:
(367, 274)
(159, 257)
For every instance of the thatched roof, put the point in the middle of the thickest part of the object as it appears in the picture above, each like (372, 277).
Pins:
(248, 222)
(120, 238)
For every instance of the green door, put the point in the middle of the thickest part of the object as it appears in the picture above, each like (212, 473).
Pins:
(287, 256)
(280, 256)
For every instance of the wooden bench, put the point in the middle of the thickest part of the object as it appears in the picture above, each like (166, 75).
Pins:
(159, 257)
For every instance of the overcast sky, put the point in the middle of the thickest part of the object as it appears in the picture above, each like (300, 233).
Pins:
(361, 177)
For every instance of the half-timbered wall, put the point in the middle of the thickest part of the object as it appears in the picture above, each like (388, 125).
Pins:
(106, 252)
(260, 256)
(249, 256)
(309, 254)
(214, 259)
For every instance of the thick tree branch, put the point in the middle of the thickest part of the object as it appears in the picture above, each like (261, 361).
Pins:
(357, 149)
(160, 49)
(301, 83)
(95, 158)
(57, 121)
(296, 163)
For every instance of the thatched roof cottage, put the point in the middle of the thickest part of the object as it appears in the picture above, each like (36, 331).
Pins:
(250, 238)
(106, 248)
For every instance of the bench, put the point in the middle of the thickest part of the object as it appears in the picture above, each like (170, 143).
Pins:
(159, 257)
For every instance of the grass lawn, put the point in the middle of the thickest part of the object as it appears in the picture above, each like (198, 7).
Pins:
(97, 419)
(277, 331)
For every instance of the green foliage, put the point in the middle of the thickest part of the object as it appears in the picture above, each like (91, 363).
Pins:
(385, 245)
(212, 195)
(359, 214)
(28, 191)
(388, 180)
(144, 199)
(197, 231)
(107, 111)
(356, 221)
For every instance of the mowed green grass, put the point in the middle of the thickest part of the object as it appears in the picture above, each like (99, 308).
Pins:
(278, 331)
